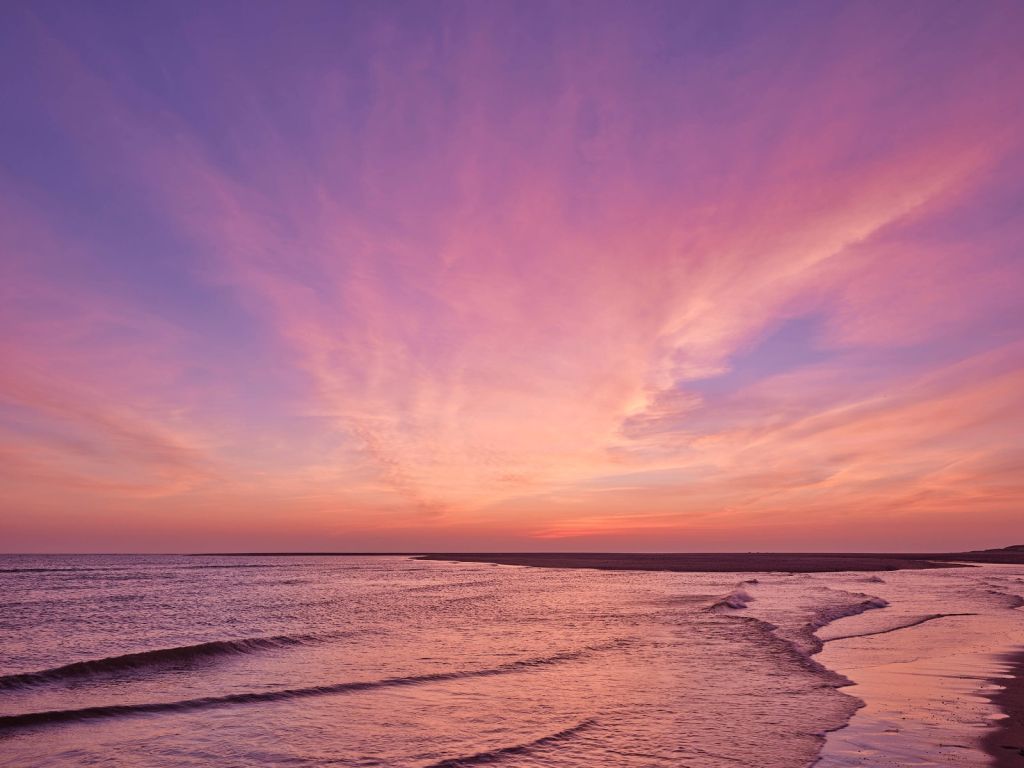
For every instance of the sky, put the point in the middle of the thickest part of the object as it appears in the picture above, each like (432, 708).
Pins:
(630, 276)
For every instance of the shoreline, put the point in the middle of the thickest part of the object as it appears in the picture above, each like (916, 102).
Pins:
(1005, 743)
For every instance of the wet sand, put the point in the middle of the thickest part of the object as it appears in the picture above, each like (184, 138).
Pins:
(1006, 743)
(734, 562)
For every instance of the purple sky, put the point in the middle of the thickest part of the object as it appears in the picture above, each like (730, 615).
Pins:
(634, 276)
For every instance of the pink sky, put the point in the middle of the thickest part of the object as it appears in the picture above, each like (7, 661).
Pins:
(518, 276)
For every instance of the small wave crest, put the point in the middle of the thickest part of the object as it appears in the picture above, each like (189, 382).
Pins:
(160, 657)
(495, 755)
(827, 615)
(736, 600)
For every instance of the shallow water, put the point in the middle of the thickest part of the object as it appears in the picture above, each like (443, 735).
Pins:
(924, 666)
(189, 661)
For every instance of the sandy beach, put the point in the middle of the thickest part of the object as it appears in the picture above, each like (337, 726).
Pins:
(1006, 743)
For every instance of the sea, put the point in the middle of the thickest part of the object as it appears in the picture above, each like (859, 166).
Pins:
(167, 661)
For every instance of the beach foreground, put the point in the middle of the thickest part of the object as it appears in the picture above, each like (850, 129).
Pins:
(274, 661)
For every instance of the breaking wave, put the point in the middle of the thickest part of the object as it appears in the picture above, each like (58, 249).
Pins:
(801, 639)
(734, 601)
(809, 643)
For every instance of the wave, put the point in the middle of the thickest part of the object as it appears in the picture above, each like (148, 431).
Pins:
(494, 755)
(827, 615)
(58, 716)
(159, 657)
(914, 623)
(813, 644)
(800, 640)
(998, 594)
(736, 600)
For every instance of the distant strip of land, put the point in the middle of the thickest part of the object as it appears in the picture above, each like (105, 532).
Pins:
(736, 562)
(708, 562)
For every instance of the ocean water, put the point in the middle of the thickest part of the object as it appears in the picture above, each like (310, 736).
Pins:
(391, 661)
